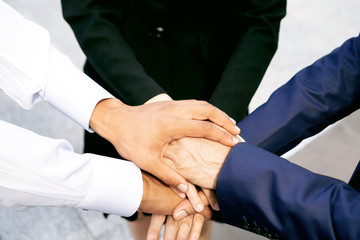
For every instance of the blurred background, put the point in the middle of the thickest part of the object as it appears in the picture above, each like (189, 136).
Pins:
(310, 30)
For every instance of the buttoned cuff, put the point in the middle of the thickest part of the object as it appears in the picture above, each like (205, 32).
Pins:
(71, 91)
(116, 187)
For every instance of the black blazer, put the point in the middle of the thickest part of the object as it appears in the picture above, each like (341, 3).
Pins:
(200, 49)
(189, 49)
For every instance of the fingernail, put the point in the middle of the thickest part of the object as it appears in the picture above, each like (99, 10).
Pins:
(182, 188)
(240, 138)
(237, 128)
(216, 207)
(182, 195)
(199, 207)
(236, 140)
(181, 215)
(232, 120)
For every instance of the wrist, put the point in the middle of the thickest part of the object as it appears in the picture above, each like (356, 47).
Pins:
(102, 116)
(145, 197)
(157, 197)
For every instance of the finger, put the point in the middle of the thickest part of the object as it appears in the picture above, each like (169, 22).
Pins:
(155, 227)
(184, 228)
(194, 198)
(171, 177)
(177, 192)
(171, 228)
(185, 209)
(215, 115)
(196, 128)
(207, 212)
(211, 197)
(197, 224)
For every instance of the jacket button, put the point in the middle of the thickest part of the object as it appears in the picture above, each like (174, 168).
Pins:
(159, 31)
(267, 235)
(245, 225)
(257, 230)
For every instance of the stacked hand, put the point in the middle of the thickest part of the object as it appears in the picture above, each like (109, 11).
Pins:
(160, 200)
(199, 161)
(141, 133)
(153, 137)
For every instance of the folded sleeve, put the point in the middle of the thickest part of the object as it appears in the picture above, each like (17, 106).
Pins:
(70, 91)
(31, 70)
(39, 171)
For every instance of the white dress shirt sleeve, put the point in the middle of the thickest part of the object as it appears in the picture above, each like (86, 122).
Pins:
(31, 69)
(40, 171)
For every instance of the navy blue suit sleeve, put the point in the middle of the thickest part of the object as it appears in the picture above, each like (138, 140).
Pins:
(266, 194)
(314, 98)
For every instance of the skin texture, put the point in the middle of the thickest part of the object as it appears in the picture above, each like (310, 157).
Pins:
(198, 160)
(153, 126)
(187, 227)
(158, 198)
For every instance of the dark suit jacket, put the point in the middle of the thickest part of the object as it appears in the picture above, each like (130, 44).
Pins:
(209, 50)
(264, 193)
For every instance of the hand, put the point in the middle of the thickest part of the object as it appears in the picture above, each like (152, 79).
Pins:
(158, 198)
(198, 160)
(187, 228)
(141, 133)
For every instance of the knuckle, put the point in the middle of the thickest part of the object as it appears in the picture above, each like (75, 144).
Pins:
(225, 135)
(198, 218)
(210, 130)
(206, 126)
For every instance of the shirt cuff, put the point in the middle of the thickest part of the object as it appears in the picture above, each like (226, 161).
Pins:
(71, 91)
(116, 187)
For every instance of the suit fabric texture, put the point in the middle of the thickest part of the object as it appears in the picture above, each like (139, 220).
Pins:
(203, 50)
(266, 194)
